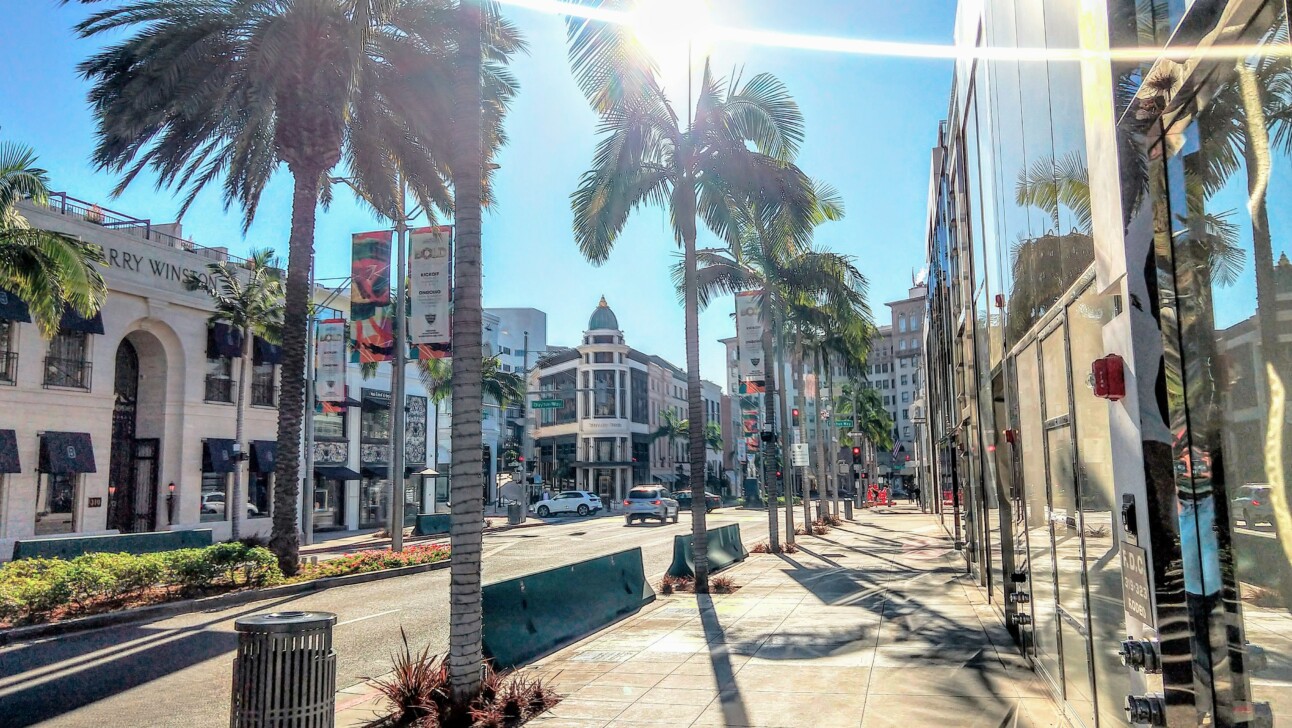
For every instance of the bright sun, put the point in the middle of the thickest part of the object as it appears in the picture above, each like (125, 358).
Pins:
(669, 30)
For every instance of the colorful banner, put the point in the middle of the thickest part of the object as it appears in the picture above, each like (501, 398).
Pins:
(749, 330)
(371, 318)
(329, 373)
(749, 419)
(430, 286)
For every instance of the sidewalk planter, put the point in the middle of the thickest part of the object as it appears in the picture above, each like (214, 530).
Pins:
(725, 549)
(70, 547)
(431, 523)
(530, 616)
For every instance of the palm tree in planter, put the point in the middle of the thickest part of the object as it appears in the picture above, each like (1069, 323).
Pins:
(49, 271)
(248, 299)
(234, 91)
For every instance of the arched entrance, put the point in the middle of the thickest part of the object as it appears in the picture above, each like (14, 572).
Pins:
(133, 468)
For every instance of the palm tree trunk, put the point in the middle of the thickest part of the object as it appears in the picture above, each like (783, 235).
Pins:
(800, 401)
(769, 413)
(775, 361)
(821, 476)
(694, 402)
(236, 501)
(284, 540)
(467, 482)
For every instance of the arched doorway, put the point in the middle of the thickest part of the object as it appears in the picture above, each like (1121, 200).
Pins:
(132, 472)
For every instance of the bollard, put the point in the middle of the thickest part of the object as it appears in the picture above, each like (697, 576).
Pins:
(284, 673)
(515, 514)
(847, 509)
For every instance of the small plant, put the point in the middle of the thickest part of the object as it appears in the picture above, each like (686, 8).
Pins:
(722, 585)
(762, 547)
(671, 584)
(417, 687)
(1097, 532)
(820, 527)
(834, 520)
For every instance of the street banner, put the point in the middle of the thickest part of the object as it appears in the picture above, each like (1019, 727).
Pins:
(329, 373)
(429, 281)
(749, 423)
(749, 332)
(371, 317)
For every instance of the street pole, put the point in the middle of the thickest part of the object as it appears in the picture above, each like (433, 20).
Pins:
(397, 376)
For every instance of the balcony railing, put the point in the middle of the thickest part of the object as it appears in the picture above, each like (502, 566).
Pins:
(263, 393)
(8, 367)
(219, 389)
(70, 373)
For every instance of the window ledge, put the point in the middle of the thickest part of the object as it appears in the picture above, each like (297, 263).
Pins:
(217, 401)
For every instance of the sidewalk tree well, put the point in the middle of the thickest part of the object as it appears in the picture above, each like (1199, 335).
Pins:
(49, 271)
(248, 299)
(738, 143)
(230, 91)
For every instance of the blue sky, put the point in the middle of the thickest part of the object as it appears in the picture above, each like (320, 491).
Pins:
(870, 125)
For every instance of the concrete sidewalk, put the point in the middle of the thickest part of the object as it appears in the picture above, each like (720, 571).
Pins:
(873, 624)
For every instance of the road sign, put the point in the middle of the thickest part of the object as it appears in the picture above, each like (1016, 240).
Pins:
(547, 404)
(843, 423)
(799, 455)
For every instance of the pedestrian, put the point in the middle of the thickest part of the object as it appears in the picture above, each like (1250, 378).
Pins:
(910, 494)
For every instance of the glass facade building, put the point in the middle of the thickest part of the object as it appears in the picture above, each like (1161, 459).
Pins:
(1109, 349)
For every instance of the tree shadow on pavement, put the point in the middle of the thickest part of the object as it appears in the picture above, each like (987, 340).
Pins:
(733, 706)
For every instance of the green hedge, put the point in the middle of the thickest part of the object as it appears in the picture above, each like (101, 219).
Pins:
(31, 589)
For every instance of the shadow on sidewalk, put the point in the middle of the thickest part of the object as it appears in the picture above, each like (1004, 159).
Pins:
(724, 673)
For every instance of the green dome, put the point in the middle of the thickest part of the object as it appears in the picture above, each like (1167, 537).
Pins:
(603, 318)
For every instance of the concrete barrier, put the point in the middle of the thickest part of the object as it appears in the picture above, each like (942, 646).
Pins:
(429, 524)
(530, 616)
(725, 549)
(69, 547)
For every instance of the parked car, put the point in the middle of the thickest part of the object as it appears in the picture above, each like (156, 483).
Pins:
(581, 502)
(1252, 504)
(650, 501)
(214, 503)
(711, 501)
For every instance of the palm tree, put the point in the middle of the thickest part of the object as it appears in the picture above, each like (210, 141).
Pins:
(49, 271)
(503, 388)
(647, 157)
(866, 410)
(671, 428)
(248, 298)
(197, 92)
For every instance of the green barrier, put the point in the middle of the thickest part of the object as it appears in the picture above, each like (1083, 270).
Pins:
(431, 523)
(527, 617)
(725, 549)
(69, 547)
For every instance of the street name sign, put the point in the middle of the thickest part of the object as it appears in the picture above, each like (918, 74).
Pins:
(843, 423)
(547, 404)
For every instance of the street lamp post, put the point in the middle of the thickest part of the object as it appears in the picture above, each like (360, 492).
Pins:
(397, 496)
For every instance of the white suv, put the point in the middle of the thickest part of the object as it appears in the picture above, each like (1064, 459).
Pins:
(571, 501)
(650, 501)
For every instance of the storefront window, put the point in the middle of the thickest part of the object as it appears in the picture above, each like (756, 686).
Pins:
(68, 361)
(330, 425)
(374, 503)
(259, 494)
(374, 421)
(603, 383)
(263, 390)
(219, 380)
(215, 491)
(56, 503)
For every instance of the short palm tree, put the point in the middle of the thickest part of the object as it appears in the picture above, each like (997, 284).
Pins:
(248, 298)
(672, 428)
(503, 388)
(737, 143)
(49, 271)
(233, 90)
(863, 406)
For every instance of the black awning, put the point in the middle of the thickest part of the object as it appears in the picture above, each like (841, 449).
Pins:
(263, 352)
(335, 472)
(217, 455)
(63, 453)
(9, 452)
(376, 399)
(13, 308)
(378, 472)
(73, 321)
(264, 453)
(223, 342)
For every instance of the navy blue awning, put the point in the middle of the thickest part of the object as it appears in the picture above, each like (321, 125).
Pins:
(264, 352)
(9, 452)
(264, 453)
(64, 453)
(335, 472)
(223, 342)
(217, 455)
(73, 321)
(377, 472)
(13, 308)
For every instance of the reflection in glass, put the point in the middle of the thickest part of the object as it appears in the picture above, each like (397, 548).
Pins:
(1040, 547)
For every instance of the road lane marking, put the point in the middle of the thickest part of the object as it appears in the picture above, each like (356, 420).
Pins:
(370, 616)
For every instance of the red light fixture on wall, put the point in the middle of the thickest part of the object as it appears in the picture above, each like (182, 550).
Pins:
(1110, 377)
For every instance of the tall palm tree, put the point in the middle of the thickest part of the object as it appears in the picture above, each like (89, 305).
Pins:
(737, 143)
(232, 90)
(864, 407)
(248, 298)
(672, 428)
(49, 271)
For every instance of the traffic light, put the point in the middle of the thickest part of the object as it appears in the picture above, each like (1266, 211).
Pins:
(521, 458)
(856, 456)
(795, 417)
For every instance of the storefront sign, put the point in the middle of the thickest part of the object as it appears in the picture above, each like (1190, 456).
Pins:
(429, 283)
(749, 330)
(370, 315)
(1135, 584)
(329, 375)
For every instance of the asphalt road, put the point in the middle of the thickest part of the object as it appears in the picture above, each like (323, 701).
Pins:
(177, 672)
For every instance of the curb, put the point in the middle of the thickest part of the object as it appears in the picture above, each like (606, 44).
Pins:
(186, 606)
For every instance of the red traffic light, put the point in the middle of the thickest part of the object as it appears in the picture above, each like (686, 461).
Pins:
(856, 451)
(796, 411)
(521, 458)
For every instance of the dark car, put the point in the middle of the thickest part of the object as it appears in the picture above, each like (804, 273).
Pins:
(711, 501)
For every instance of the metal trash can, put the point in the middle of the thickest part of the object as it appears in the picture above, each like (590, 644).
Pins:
(284, 674)
(515, 514)
(847, 509)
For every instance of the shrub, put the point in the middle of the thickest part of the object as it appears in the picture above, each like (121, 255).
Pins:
(834, 520)
(365, 561)
(417, 686)
(189, 568)
(820, 527)
(722, 585)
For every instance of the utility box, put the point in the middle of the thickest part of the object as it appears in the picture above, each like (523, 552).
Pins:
(284, 673)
